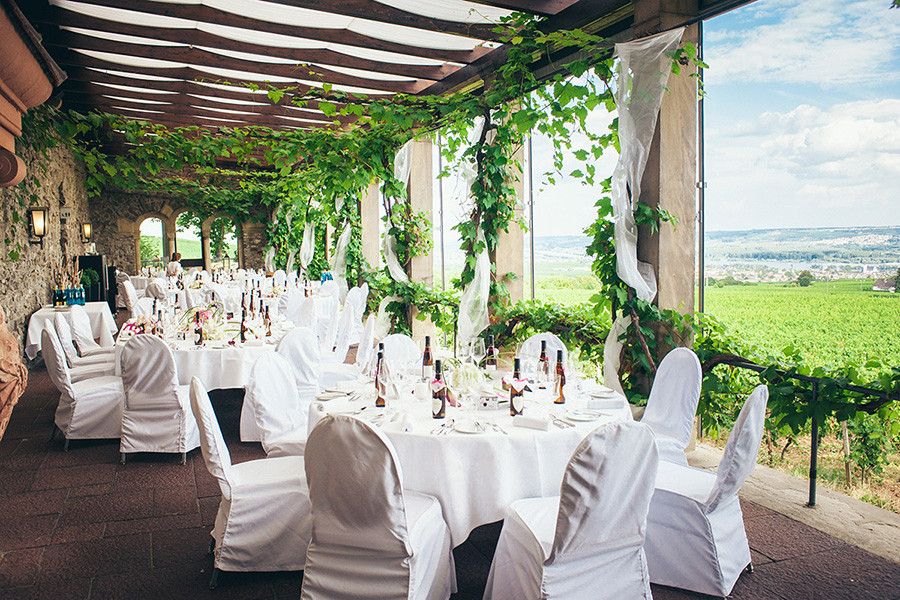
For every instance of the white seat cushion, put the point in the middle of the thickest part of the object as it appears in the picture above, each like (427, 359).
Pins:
(685, 481)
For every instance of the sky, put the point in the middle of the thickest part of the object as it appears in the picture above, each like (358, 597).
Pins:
(802, 121)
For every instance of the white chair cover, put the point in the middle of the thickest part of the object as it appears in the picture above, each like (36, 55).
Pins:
(144, 307)
(120, 297)
(292, 309)
(279, 411)
(82, 371)
(283, 300)
(371, 539)
(64, 334)
(343, 337)
(89, 409)
(530, 351)
(157, 414)
(400, 349)
(331, 328)
(157, 288)
(81, 331)
(263, 522)
(587, 542)
(364, 351)
(306, 315)
(279, 278)
(673, 403)
(127, 291)
(190, 300)
(695, 530)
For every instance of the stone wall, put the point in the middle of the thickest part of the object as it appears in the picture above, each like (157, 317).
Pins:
(252, 243)
(57, 182)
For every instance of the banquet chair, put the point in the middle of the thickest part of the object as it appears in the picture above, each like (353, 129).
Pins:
(263, 523)
(64, 333)
(157, 288)
(371, 539)
(342, 338)
(279, 278)
(88, 409)
(127, 291)
(365, 349)
(81, 371)
(120, 298)
(157, 415)
(84, 338)
(695, 529)
(673, 401)
(144, 307)
(400, 349)
(331, 328)
(280, 412)
(284, 300)
(530, 351)
(306, 316)
(588, 541)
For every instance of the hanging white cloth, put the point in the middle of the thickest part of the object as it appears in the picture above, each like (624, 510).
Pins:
(389, 247)
(641, 75)
(270, 260)
(612, 350)
(473, 304)
(339, 263)
(403, 162)
(307, 245)
(383, 321)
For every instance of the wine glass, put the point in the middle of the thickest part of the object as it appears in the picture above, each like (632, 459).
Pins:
(477, 351)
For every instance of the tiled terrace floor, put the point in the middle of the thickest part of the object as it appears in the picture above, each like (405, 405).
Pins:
(79, 525)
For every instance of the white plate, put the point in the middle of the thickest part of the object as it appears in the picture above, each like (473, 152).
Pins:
(466, 427)
(582, 415)
(603, 394)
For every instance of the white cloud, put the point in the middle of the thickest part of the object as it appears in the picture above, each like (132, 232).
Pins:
(821, 42)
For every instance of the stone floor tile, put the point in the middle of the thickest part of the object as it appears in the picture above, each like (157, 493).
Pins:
(130, 526)
(124, 554)
(65, 477)
(20, 567)
(26, 532)
(78, 533)
(175, 501)
(780, 538)
(136, 504)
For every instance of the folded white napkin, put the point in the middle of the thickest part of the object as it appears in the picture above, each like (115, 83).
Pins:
(613, 402)
(542, 423)
(402, 423)
(329, 395)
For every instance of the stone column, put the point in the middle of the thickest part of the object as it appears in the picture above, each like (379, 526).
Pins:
(421, 200)
(205, 230)
(670, 179)
(509, 255)
(371, 225)
(252, 245)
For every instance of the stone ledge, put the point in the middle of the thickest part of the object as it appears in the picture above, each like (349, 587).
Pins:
(864, 525)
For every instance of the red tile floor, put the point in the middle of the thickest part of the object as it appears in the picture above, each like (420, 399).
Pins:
(79, 525)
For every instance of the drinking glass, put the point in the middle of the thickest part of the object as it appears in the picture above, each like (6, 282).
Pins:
(477, 351)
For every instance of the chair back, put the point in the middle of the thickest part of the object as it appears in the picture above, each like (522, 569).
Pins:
(54, 359)
(674, 396)
(356, 301)
(273, 396)
(149, 374)
(64, 333)
(81, 329)
(741, 448)
(332, 327)
(144, 307)
(344, 333)
(606, 491)
(292, 308)
(279, 278)
(212, 444)
(366, 346)
(190, 301)
(355, 487)
(300, 348)
(306, 312)
(530, 351)
(401, 349)
(157, 289)
(122, 276)
(126, 288)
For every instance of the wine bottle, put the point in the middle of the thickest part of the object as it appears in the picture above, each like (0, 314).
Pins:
(379, 381)
(438, 393)
(199, 340)
(267, 321)
(243, 325)
(490, 362)
(560, 379)
(427, 361)
(159, 324)
(516, 397)
(543, 364)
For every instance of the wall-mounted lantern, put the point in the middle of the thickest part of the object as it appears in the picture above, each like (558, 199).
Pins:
(38, 218)
(87, 233)
(227, 262)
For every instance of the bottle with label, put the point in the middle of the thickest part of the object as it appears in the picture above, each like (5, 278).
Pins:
(252, 306)
(267, 322)
(543, 364)
(560, 379)
(490, 361)
(427, 361)
(159, 324)
(516, 397)
(380, 400)
(243, 325)
(438, 393)
(199, 340)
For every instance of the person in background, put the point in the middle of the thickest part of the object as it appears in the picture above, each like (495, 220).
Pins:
(174, 266)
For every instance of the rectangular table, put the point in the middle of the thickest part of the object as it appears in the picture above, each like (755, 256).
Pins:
(103, 325)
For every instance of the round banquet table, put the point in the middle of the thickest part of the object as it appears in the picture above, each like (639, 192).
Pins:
(475, 476)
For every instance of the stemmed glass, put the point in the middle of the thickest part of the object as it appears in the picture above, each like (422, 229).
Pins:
(477, 351)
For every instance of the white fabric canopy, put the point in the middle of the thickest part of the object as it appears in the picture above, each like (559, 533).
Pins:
(641, 75)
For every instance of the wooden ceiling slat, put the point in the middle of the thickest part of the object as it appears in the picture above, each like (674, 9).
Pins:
(196, 57)
(201, 38)
(543, 8)
(383, 13)
(87, 90)
(206, 14)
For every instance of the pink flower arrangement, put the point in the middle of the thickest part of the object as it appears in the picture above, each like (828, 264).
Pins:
(141, 324)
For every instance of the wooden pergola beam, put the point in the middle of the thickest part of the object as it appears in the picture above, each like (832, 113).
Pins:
(543, 8)
(57, 16)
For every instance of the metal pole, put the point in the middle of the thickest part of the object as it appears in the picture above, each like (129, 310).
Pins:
(531, 210)
(441, 213)
(701, 187)
(814, 450)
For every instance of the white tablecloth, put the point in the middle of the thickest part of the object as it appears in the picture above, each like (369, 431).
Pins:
(475, 476)
(103, 325)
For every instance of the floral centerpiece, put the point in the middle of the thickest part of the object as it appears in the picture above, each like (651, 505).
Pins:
(140, 324)
(211, 318)
(466, 378)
